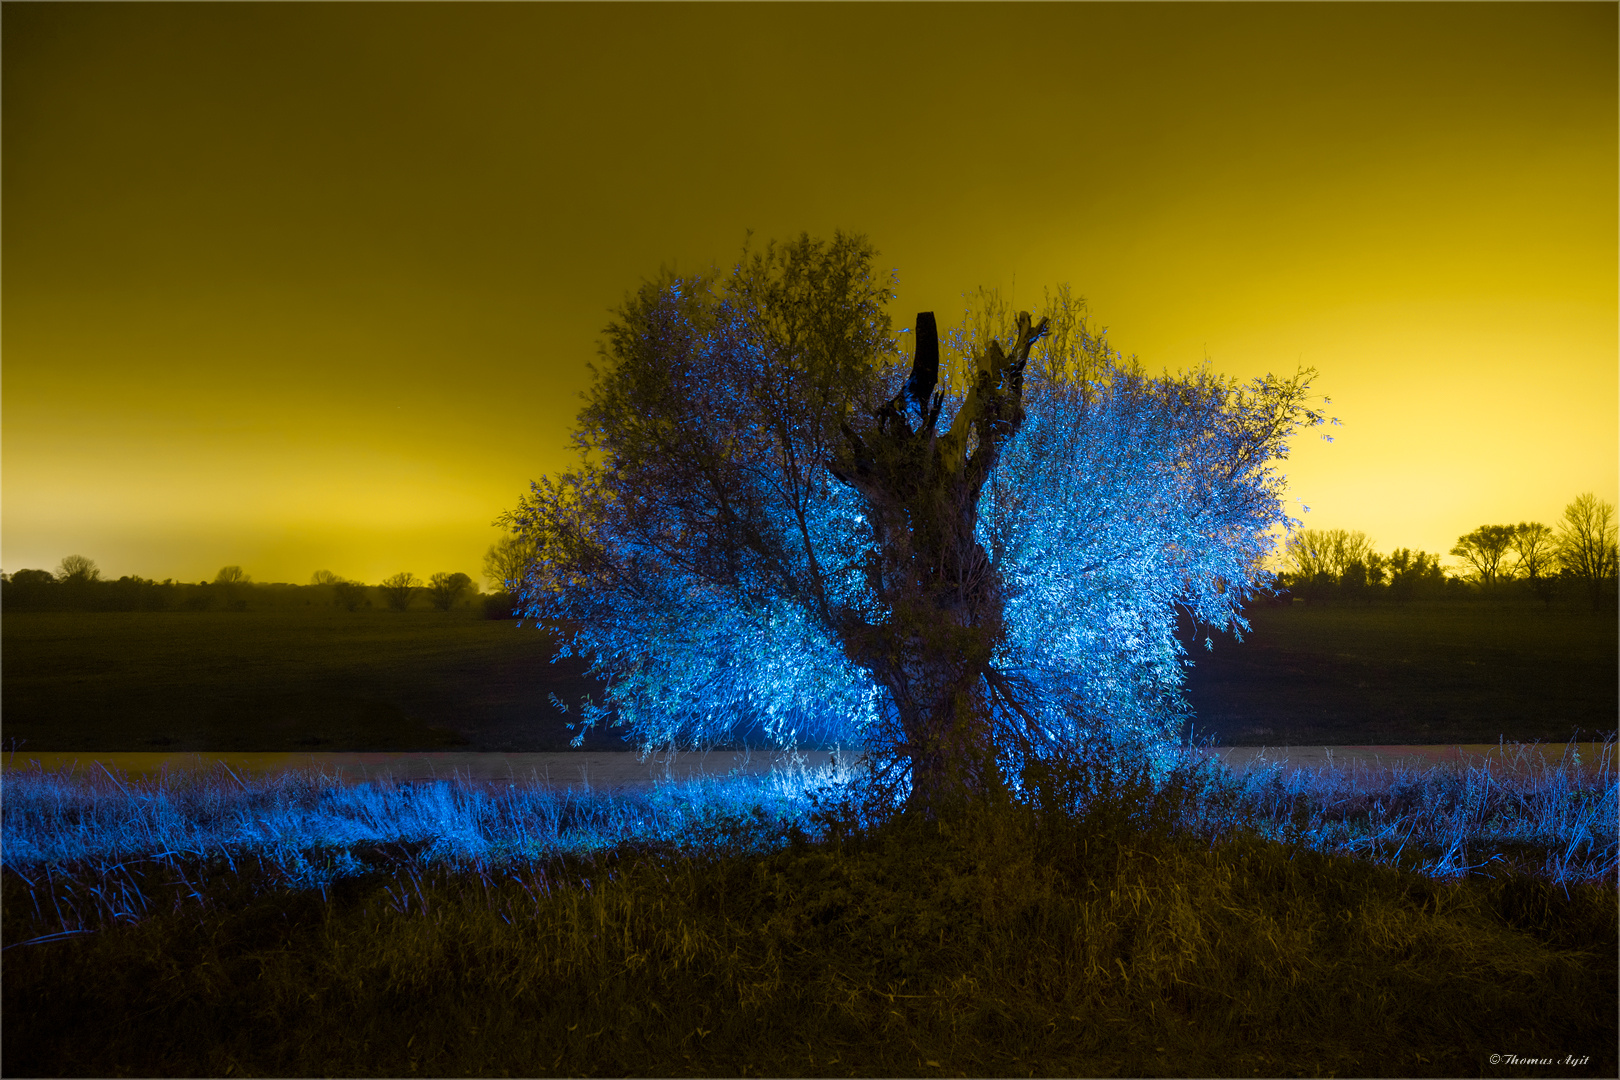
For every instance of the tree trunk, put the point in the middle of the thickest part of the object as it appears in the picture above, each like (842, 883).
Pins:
(942, 595)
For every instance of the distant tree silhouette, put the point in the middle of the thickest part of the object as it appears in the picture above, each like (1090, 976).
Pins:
(30, 590)
(443, 589)
(1587, 545)
(1414, 574)
(132, 593)
(348, 595)
(230, 581)
(1484, 549)
(506, 561)
(1309, 553)
(81, 588)
(1535, 547)
(399, 589)
(1322, 562)
(77, 569)
(76, 576)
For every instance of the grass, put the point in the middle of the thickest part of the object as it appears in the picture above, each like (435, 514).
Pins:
(1116, 916)
(313, 678)
(317, 678)
(1426, 672)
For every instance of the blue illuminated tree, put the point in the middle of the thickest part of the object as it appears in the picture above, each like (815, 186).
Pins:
(776, 525)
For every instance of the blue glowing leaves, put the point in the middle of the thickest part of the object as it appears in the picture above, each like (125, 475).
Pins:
(709, 563)
(1122, 504)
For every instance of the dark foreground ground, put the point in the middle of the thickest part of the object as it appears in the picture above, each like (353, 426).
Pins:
(323, 679)
(1434, 672)
(285, 680)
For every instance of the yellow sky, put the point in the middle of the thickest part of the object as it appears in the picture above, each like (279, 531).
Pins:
(314, 286)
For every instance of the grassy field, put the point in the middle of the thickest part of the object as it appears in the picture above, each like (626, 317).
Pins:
(1116, 918)
(283, 680)
(1432, 672)
(324, 679)
(1121, 915)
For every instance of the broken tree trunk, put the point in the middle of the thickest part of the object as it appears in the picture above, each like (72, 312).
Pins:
(942, 595)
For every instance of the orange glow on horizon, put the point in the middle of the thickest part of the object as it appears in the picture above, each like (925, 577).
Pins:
(315, 286)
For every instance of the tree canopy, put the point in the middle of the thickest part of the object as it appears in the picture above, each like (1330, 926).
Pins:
(1586, 544)
(776, 523)
(1485, 549)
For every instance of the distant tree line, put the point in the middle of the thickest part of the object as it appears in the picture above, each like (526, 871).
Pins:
(77, 585)
(1576, 559)
(506, 563)
(1335, 564)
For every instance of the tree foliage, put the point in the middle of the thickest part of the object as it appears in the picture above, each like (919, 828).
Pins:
(506, 561)
(1587, 545)
(399, 589)
(1320, 562)
(77, 569)
(1485, 549)
(775, 525)
(443, 588)
(1414, 574)
(1534, 549)
(350, 595)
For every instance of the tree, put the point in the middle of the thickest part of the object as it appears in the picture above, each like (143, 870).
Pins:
(443, 589)
(506, 561)
(349, 595)
(230, 581)
(1310, 552)
(399, 589)
(1535, 550)
(1587, 544)
(1321, 560)
(76, 569)
(774, 523)
(346, 594)
(29, 590)
(1414, 574)
(1484, 549)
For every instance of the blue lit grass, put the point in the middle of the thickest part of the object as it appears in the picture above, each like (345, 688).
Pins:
(1364, 921)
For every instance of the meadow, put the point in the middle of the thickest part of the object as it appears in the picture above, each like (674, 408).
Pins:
(284, 679)
(1460, 671)
(1123, 914)
(319, 678)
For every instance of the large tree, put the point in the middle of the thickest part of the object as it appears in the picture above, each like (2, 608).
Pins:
(777, 524)
(1587, 544)
(1485, 549)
